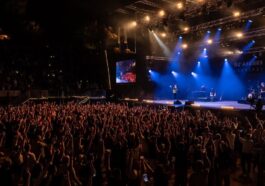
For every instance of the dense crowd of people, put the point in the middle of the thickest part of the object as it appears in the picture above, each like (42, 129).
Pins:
(117, 144)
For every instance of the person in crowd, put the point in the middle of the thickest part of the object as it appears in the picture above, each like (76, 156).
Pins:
(125, 145)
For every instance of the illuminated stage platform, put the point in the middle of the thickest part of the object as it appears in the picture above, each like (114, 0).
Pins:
(224, 105)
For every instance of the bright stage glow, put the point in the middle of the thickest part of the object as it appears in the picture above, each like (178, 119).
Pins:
(195, 105)
(186, 29)
(179, 5)
(219, 29)
(226, 60)
(205, 49)
(209, 41)
(200, 1)
(134, 24)
(184, 46)
(239, 52)
(147, 18)
(239, 34)
(227, 108)
(236, 14)
(194, 74)
(229, 52)
(161, 13)
(150, 71)
(175, 74)
(180, 37)
(163, 34)
(208, 32)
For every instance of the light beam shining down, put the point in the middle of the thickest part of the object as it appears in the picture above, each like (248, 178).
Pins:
(165, 49)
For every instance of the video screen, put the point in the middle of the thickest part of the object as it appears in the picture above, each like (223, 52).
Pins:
(126, 71)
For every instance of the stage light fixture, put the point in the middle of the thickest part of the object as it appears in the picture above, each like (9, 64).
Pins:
(150, 71)
(186, 29)
(134, 24)
(179, 5)
(210, 41)
(236, 14)
(219, 29)
(184, 46)
(180, 37)
(208, 31)
(161, 13)
(200, 1)
(163, 34)
(239, 35)
(147, 18)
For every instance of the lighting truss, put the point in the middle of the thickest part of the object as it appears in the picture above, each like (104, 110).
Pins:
(226, 20)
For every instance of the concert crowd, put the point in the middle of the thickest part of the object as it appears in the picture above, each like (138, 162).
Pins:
(118, 144)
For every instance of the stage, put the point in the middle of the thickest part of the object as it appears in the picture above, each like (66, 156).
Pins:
(224, 105)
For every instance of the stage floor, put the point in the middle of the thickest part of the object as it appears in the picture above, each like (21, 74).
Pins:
(226, 105)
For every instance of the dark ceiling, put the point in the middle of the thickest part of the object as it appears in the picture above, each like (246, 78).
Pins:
(54, 18)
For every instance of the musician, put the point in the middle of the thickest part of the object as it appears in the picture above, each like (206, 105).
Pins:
(174, 91)
(212, 94)
(251, 97)
(262, 90)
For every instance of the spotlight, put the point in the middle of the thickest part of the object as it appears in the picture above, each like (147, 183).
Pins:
(208, 31)
(184, 46)
(219, 29)
(239, 35)
(147, 18)
(199, 62)
(253, 41)
(179, 5)
(174, 73)
(180, 37)
(179, 53)
(250, 21)
(134, 23)
(194, 74)
(186, 29)
(161, 13)
(209, 41)
(205, 49)
(238, 52)
(236, 14)
(163, 34)
(226, 60)
(229, 52)
(150, 71)
(200, 1)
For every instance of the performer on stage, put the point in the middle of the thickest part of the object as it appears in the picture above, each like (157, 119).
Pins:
(262, 88)
(174, 91)
(212, 94)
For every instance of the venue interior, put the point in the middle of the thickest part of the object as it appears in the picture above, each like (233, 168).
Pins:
(132, 92)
